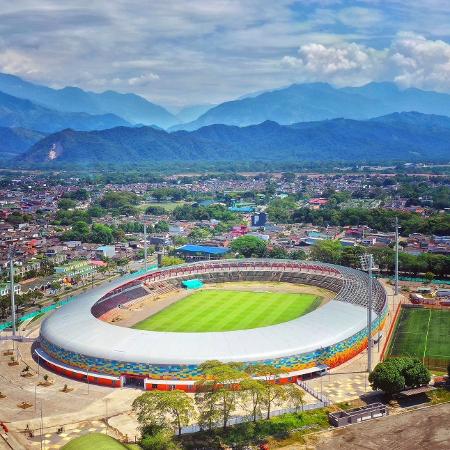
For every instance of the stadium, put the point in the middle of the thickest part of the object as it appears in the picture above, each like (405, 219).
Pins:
(82, 340)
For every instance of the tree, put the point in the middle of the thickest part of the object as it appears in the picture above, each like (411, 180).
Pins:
(161, 227)
(295, 396)
(164, 409)
(328, 251)
(67, 203)
(156, 210)
(161, 439)
(249, 246)
(387, 377)
(80, 194)
(289, 177)
(171, 261)
(350, 256)
(297, 254)
(198, 234)
(273, 393)
(429, 276)
(116, 200)
(218, 391)
(101, 234)
(277, 253)
(252, 394)
(394, 374)
(416, 374)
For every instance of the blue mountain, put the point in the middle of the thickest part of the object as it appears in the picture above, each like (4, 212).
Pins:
(321, 101)
(19, 113)
(133, 108)
(401, 137)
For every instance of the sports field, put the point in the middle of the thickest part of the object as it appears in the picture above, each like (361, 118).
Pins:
(423, 333)
(222, 310)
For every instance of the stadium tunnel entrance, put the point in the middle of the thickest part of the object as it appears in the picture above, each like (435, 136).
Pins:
(134, 381)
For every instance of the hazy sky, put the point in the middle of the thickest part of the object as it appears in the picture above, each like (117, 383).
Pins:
(178, 52)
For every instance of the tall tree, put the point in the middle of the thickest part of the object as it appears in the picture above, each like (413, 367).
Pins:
(164, 408)
(273, 393)
(329, 251)
(218, 391)
(252, 397)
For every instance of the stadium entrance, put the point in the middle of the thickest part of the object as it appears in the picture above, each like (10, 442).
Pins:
(133, 381)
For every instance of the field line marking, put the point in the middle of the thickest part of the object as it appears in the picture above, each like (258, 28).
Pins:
(426, 337)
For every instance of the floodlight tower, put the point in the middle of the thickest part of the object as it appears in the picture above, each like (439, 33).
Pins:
(396, 257)
(145, 246)
(11, 279)
(367, 265)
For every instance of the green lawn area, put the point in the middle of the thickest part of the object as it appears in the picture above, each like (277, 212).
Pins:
(169, 206)
(96, 441)
(222, 310)
(423, 333)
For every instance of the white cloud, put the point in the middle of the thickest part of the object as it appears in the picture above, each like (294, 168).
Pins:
(17, 63)
(421, 62)
(207, 51)
(410, 60)
(143, 80)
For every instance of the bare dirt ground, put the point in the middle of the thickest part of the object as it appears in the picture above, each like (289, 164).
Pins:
(426, 428)
(151, 305)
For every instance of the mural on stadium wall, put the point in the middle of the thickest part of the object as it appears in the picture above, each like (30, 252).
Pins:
(332, 356)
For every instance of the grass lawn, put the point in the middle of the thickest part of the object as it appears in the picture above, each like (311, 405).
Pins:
(168, 206)
(222, 310)
(423, 333)
(95, 441)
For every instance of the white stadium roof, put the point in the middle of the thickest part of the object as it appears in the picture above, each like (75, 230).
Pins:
(74, 328)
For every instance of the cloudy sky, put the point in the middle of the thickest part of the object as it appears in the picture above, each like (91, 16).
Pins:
(181, 52)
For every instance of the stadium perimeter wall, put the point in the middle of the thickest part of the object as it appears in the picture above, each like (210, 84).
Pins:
(112, 372)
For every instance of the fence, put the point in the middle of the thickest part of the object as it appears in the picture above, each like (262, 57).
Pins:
(416, 279)
(387, 341)
(316, 394)
(243, 419)
(436, 363)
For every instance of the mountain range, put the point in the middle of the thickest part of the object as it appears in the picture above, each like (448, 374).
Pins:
(130, 107)
(399, 136)
(321, 101)
(17, 112)
(14, 141)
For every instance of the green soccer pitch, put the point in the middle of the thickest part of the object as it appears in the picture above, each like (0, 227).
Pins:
(221, 310)
(422, 333)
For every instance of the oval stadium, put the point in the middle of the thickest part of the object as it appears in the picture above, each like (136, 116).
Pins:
(154, 330)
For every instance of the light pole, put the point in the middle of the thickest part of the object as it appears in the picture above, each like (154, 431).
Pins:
(367, 265)
(42, 428)
(145, 247)
(396, 256)
(11, 279)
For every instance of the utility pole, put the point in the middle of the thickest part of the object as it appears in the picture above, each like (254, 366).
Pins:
(396, 257)
(145, 247)
(42, 429)
(367, 265)
(11, 279)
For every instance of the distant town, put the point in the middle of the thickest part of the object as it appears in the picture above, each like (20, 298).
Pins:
(68, 232)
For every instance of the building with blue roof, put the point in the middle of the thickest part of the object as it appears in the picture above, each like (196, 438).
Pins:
(199, 252)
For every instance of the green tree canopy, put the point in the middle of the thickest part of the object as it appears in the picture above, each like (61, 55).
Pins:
(249, 246)
(329, 251)
(395, 374)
